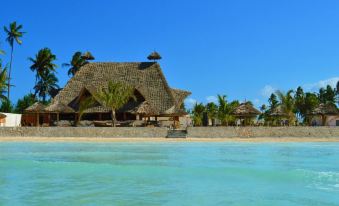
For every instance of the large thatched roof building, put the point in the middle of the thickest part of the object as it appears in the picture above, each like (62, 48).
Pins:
(154, 97)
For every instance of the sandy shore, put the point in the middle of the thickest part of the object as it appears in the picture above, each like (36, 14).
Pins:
(91, 139)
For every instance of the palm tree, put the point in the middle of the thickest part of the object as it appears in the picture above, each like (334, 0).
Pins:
(212, 111)
(24, 102)
(83, 105)
(198, 113)
(115, 96)
(225, 109)
(78, 60)
(287, 104)
(13, 35)
(43, 63)
(3, 84)
(46, 85)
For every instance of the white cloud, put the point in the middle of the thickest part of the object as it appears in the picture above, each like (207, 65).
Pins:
(256, 102)
(212, 99)
(190, 102)
(268, 90)
(322, 83)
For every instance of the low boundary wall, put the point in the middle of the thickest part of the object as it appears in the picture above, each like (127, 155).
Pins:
(229, 132)
(158, 132)
(134, 132)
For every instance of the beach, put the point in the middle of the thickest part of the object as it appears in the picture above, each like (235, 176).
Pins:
(142, 139)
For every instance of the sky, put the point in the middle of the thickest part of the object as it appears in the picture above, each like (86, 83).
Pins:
(244, 49)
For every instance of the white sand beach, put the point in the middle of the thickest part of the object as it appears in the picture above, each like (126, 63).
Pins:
(115, 139)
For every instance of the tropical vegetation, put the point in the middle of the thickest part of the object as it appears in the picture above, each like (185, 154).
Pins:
(115, 96)
(294, 106)
(78, 60)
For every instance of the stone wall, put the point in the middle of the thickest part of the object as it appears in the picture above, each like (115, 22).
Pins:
(83, 132)
(229, 132)
(192, 132)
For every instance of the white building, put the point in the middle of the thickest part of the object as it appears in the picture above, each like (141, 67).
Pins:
(10, 120)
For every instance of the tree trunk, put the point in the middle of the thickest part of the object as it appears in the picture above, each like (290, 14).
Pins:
(78, 119)
(113, 117)
(9, 73)
(323, 118)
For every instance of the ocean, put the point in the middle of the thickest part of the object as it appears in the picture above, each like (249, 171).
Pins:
(173, 174)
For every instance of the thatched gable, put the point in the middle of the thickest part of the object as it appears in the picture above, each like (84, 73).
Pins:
(278, 112)
(37, 107)
(246, 110)
(325, 109)
(146, 77)
(59, 108)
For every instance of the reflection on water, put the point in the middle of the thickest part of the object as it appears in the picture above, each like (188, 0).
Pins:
(169, 174)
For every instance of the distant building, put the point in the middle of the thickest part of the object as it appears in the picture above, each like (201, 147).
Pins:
(325, 115)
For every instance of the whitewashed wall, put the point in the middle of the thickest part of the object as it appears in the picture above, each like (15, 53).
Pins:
(330, 120)
(12, 120)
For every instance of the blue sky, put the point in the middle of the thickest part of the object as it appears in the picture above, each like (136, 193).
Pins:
(244, 49)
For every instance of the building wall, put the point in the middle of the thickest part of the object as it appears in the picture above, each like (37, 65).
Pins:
(330, 120)
(11, 120)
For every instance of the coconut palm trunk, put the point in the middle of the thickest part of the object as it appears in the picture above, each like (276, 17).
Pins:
(9, 73)
(13, 35)
(113, 117)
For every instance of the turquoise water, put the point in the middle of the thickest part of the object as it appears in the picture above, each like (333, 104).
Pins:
(169, 174)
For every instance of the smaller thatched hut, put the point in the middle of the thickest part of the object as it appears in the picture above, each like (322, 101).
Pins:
(278, 116)
(278, 112)
(247, 112)
(324, 111)
(59, 108)
(32, 114)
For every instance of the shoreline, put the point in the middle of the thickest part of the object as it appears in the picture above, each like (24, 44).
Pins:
(134, 140)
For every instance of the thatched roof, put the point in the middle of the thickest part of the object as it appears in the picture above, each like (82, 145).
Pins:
(146, 77)
(246, 110)
(59, 107)
(180, 95)
(37, 107)
(325, 109)
(142, 108)
(278, 112)
(154, 56)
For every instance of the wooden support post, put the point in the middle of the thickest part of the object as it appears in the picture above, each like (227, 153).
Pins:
(37, 119)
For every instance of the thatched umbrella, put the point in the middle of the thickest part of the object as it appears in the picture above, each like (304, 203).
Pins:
(143, 109)
(154, 56)
(325, 109)
(246, 111)
(36, 108)
(58, 107)
(278, 112)
(88, 56)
